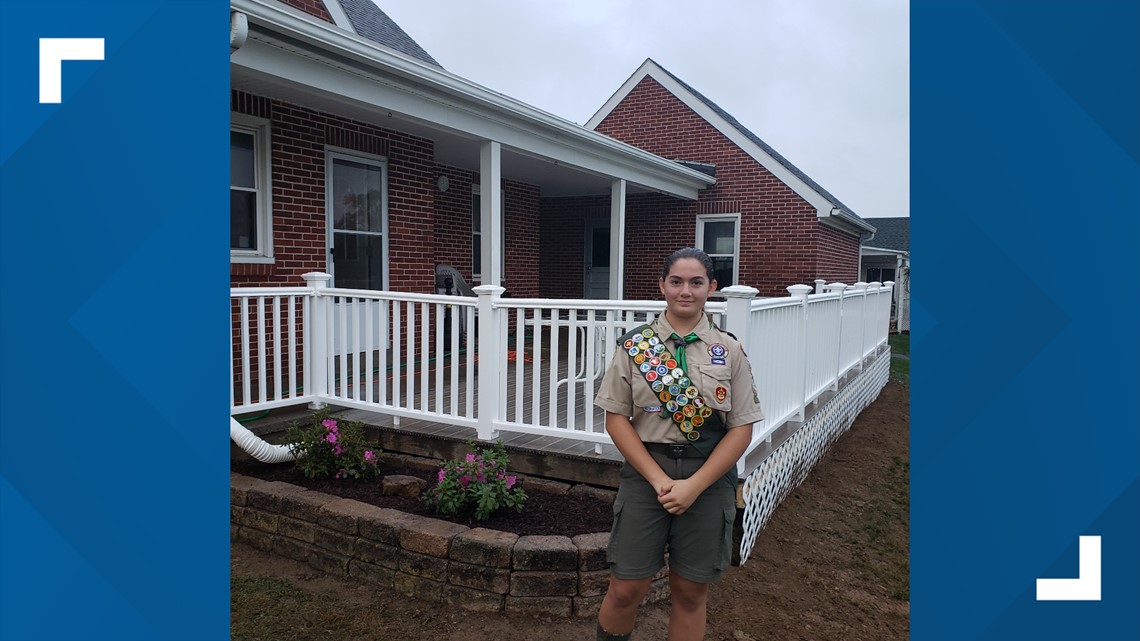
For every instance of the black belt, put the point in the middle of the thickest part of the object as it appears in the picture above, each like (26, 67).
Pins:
(674, 450)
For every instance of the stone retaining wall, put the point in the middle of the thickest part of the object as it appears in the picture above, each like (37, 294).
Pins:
(438, 561)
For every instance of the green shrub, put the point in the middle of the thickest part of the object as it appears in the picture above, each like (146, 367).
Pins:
(477, 484)
(330, 447)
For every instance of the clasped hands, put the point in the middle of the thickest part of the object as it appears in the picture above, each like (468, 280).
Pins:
(676, 496)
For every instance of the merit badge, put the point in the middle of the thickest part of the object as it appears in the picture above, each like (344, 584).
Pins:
(671, 406)
(694, 435)
(691, 392)
(670, 363)
(688, 411)
(662, 370)
(686, 427)
(717, 350)
(664, 396)
(657, 386)
(653, 340)
(667, 379)
(683, 381)
(654, 361)
(643, 345)
(648, 333)
(639, 358)
(637, 337)
(682, 400)
(721, 393)
(706, 411)
(698, 420)
(628, 343)
(644, 367)
(651, 376)
(633, 350)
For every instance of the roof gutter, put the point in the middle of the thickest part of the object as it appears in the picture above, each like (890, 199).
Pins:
(304, 28)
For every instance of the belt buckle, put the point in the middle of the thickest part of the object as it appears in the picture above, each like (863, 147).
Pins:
(677, 450)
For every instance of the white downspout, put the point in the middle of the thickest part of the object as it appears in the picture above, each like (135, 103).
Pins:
(256, 447)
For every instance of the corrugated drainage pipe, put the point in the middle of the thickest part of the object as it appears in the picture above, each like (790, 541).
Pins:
(256, 447)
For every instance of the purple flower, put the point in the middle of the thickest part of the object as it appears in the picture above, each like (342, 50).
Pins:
(470, 458)
(331, 437)
(329, 424)
(338, 450)
(369, 456)
(511, 481)
(442, 474)
(464, 480)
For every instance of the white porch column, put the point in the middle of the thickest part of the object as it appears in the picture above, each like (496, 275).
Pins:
(617, 239)
(492, 361)
(490, 206)
(317, 339)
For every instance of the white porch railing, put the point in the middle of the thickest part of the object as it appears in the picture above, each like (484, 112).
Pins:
(522, 365)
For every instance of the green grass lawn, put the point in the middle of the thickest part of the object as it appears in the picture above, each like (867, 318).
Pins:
(900, 367)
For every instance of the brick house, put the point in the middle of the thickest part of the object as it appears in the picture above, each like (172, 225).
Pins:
(765, 222)
(355, 153)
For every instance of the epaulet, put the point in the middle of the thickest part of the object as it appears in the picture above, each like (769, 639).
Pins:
(628, 335)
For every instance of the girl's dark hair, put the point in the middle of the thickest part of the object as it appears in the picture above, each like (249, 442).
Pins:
(689, 252)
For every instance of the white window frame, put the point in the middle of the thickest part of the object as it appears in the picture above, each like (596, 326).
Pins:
(700, 241)
(263, 185)
(477, 236)
(335, 153)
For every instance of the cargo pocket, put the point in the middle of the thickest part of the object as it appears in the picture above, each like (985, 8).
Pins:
(726, 538)
(611, 547)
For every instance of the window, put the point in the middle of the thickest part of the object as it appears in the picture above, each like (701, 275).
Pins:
(719, 237)
(880, 274)
(477, 235)
(251, 234)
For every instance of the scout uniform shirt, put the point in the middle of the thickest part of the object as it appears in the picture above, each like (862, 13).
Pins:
(715, 363)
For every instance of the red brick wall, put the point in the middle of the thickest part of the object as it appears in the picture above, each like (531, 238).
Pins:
(311, 7)
(521, 220)
(782, 241)
(299, 137)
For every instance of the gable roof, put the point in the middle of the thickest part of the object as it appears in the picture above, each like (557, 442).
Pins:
(370, 21)
(891, 233)
(825, 203)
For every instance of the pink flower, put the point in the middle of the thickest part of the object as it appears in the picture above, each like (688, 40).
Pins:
(329, 424)
(338, 450)
(464, 480)
(442, 474)
(470, 458)
(369, 456)
(511, 481)
(341, 474)
(331, 437)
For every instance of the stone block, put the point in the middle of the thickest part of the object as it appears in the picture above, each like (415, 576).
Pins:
(544, 583)
(546, 553)
(342, 515)
(417, 587)
(268, 495)
(539, 606)
(600, 494)
(423, 565)
(587, 607)
(341, 544)
(592, 551)
(305, 505)
(371, 573)
(479, 577)
(409, 462)
(234, 529)
(329, 562)
(381, 554)
(256, 519)
(472, 600)
(593, 583)
(539, 484)
(296, 529)
(399, 485)
(240, 486)
(429, 536)
(383, 525)
(292, 549)
(481, 546)
(256, 538)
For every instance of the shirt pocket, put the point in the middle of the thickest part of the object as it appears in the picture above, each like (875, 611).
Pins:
(715, 385)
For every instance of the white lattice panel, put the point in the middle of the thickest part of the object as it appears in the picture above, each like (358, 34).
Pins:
(790, 463)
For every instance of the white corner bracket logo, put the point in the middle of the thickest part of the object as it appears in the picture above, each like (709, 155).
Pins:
(1086, 587)
(53, 51)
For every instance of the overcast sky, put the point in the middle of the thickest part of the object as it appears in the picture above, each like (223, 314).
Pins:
(824, 82)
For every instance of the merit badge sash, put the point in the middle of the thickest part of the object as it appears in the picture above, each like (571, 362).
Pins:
(681, 401)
